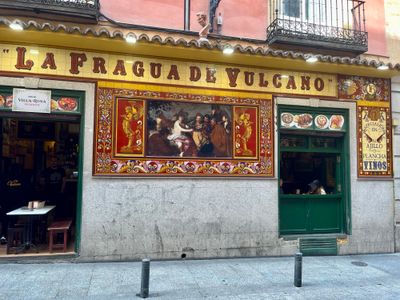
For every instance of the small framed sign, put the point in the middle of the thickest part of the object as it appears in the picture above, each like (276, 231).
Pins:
(29, 100)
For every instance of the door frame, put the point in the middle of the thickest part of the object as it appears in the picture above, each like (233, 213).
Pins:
(59, 117)
(345, 155)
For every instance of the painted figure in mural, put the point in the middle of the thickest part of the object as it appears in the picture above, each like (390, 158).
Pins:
(244, 120)
(132, 113)
(213, 8)
(226, 123)
(218, 138)
(216, 113)
(159, 145)
(207, 148)
(202, 20)
(178, 137)
(198, 137)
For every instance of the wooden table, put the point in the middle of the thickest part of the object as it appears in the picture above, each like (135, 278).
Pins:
(30, 214)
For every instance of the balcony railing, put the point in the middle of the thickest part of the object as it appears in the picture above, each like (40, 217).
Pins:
(87, 9)
(337, 25)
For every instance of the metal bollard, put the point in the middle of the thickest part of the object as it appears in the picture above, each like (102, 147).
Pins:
(298, 261)
(144, 288)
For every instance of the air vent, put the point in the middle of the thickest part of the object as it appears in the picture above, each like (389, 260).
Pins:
(318, 246)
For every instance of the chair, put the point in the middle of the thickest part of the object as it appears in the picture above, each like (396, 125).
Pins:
(15, 239)
(59, 227)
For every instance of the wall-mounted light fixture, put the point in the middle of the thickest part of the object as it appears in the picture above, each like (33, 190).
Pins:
(228, 50)
(383, 67)
(131, 38)
(16, 26)
(311, 59)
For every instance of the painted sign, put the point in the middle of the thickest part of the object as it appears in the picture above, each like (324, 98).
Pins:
(374, 141)
(103, 66)
(364, 88)
(312, 121)
(28, 100)
(150, 133)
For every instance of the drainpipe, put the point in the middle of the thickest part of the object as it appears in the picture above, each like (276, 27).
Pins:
(186, 17)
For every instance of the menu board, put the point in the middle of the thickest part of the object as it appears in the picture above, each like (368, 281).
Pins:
(58, 104)
(374, 141)
(316, 121)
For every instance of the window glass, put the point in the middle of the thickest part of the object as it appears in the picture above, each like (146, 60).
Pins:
(298, 170)
(293, 141)
(291, 8)
(323, 142)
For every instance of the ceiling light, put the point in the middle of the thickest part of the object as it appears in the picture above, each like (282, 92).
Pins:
(16, 26)
(228, 50)
(312, 59)
(131, 39)
(383, 67)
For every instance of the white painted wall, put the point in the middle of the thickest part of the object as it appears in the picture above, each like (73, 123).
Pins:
(396, 155)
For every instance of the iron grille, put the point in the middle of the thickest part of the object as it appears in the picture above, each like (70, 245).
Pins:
(331, 24)
(76, 8)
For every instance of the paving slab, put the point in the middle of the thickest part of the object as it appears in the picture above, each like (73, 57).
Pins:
(328, 277)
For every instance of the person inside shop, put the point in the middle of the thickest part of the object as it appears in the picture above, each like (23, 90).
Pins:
(281, 186)
(316, 188)
(55, 178)
(13, 189)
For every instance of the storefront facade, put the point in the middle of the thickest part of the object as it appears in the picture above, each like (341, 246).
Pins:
(139, 196)
(170, 148)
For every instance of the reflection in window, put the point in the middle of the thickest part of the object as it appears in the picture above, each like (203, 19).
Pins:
(293, 141)
(323, 142)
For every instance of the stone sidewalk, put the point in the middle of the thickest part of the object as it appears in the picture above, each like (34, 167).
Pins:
(335, 277)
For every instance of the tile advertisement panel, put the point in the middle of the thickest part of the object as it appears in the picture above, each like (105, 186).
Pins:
(147, 133)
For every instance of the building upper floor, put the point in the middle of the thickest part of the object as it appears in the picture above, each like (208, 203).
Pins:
(351, 26)
(335, 27)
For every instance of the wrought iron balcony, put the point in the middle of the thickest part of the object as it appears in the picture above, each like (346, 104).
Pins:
(337, 25)
(82, 9)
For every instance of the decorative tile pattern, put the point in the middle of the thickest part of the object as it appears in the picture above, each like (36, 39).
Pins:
(364, 88)
(106, 163)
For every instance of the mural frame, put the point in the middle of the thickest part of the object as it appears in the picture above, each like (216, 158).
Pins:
(106, 163)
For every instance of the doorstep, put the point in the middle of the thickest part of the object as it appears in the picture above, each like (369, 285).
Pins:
(291, 237)
(37, 257)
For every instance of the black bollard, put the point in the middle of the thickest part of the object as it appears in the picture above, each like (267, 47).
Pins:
(298, 261)
(144, 288)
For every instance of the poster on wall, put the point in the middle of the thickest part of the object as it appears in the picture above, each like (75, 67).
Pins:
(144, 133)
(374, 141)
(29, 100)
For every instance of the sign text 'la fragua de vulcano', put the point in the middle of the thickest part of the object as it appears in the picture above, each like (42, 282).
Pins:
(105, 66)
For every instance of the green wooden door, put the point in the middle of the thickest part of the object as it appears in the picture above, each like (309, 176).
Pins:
(306, 155)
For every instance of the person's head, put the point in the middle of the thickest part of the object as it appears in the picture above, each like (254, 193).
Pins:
(224, 117)
(206, 118)
(281, 182)
(213, 121)
(199, 117)
(314, 186)
(53, 162)
(181, 116)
